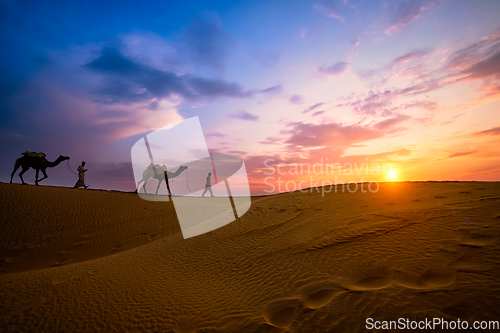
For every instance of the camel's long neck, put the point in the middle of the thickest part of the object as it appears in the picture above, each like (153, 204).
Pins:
(176, 173)
(56, 162)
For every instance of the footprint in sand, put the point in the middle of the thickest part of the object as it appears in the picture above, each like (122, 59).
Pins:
(437, 277)
(9, 260)
(371, 283)
(320, 294)
(320, 298)
(375, 278)
(4, 263)
(472, 238)
(61, 262)
(281, 312)
(467, 263)
(432, 278)
(118, 247)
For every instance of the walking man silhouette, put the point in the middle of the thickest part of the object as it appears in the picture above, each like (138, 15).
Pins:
(81, 176)
(208, 186)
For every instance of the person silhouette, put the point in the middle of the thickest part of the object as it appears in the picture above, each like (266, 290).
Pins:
(208, 186)
(166, 181)
(81, 177)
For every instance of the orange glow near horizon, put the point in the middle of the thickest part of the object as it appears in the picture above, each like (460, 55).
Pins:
(392, 175)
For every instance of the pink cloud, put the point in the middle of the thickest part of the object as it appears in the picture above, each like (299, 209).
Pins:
(309, 109)
(329, 9)
(414, 55)
(407, 12)
(336, 69)
(426, 105)
(390, 123)
(462, 154)
(491, 131)
(332, 134)
(270, 140)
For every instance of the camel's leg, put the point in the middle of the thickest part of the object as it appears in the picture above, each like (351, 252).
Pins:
(159, 183)
(44, 175)
(16, 167)
(144, 186)
(22, 173)
(36, 176)
(137, 187)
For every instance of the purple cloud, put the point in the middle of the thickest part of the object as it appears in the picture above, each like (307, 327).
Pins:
(206, 44)
(407, 11)
(491, 131)
(332, 134)
(329, 9)
(244, 115)
(426, 105)
(390, 123)
(126, 81)
(270, 140)
(417, 54)
(487, 67)
(215, 135)
(336, 69)
(309, 109)
(238, 152)
(296, 99)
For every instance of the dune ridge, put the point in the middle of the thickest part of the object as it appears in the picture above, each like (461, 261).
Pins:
(80, 260)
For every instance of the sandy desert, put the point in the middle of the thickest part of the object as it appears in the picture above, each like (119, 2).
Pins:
(75, 260)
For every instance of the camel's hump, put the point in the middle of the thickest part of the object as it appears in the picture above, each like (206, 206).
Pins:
(33, 154)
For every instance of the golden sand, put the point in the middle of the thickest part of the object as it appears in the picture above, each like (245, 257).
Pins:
(87, 260)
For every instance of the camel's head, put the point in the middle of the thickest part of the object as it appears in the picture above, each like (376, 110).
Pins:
(63, 158)
(183, 167)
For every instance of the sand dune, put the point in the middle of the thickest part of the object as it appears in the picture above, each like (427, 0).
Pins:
(87, 260)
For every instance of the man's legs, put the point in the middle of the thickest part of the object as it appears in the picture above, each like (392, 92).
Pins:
(210, 189)
(168, 187)
(80, 183)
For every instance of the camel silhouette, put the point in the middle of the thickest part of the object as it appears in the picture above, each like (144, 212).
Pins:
(36, 162)
(156, 171)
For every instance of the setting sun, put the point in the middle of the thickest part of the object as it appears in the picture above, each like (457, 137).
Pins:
(391, 174)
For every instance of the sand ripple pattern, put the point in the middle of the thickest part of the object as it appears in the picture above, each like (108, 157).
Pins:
(78, 261)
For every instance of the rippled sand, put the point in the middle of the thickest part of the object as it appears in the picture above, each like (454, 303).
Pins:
(86, 260)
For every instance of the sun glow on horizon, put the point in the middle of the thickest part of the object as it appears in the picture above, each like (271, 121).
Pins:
(392, 175)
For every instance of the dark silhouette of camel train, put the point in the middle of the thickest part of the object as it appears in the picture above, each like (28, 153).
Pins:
(37, 161)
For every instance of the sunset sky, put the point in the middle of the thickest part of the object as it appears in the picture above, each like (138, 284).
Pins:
(410, 84)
